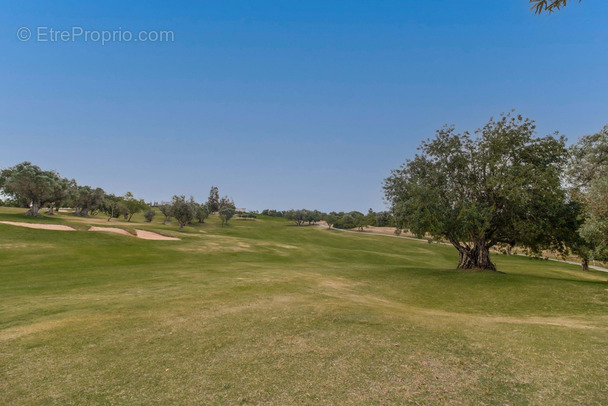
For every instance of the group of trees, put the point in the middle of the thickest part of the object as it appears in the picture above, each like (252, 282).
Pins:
(30, 187)
(505, 186)
(342, 220)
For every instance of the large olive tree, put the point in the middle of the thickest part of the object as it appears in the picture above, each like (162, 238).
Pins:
(32, 185)
(588, 176)
(501, 186)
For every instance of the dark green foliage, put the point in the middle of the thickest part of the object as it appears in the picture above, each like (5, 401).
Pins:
(588, 176)
(85, 199)
(273, 213)
(29, 184)
(149, 215)
(226, 210)
(202, 212)
(165, 209)
(133, 205)
(384, 219)
(182, 210)
(112, 206)
(213, 202)
(502, 186)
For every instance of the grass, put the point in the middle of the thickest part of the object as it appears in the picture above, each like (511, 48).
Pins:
(263, 312)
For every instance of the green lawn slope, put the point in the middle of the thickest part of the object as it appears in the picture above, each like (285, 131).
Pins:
(264, 312)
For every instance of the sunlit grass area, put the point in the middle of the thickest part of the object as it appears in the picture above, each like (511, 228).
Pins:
(264, 312)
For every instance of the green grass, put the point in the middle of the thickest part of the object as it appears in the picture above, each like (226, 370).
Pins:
(263, 312)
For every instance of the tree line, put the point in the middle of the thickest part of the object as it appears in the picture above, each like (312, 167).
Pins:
(342, 220)
(505, 186)
(28, 186)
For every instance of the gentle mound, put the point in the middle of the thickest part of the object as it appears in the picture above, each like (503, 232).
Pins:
(111, 230)
(149, 235)
(56, 227)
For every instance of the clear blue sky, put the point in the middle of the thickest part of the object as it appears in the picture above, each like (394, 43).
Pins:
(285, 104)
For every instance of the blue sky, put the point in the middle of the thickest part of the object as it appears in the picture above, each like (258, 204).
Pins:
(285, 104)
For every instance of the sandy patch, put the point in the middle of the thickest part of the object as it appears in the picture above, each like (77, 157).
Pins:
(149, 235)
(111, 230)
(56, 227)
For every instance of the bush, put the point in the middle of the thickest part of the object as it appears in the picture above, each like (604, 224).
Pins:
(149, 215)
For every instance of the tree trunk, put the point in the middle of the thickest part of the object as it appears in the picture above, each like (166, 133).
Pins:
(51, 210)
(33, 211)
(585, 264)
(84, 212)
(477, 257)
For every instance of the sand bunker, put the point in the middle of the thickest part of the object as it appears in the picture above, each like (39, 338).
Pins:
(112, 230)
(56, 227)
(144, 235)
(149, 235)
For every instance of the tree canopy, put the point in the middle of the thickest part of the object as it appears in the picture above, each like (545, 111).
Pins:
(501, 186)
(588, 176)
(29, 183)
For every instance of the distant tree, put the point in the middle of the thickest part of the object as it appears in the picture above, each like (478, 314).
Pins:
(213, 202)
(272, 213)
(29, 183)
(133, 205)
(165, 209)
(111, 206)
(384, 219)
(473, 192)
(370, 218)
(87, 200)
(60, 192)
(202, 213)
(149, 215)
(226, 210)
(297, 216)
(360, 221)
(182, 211)
(330, 219)
(547, 5)
(347, 221)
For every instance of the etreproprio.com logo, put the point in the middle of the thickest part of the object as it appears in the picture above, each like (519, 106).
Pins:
(79, 34)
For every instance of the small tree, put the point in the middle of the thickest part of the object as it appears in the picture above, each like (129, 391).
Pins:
(111, 206)
(202, 212)
(213, 202)
(360, 221)
(182, 211)
(297, 216)
(133, 205)
(149, 215)
(165, 209)
(330, 219)
(86, 200)
(227, 209)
